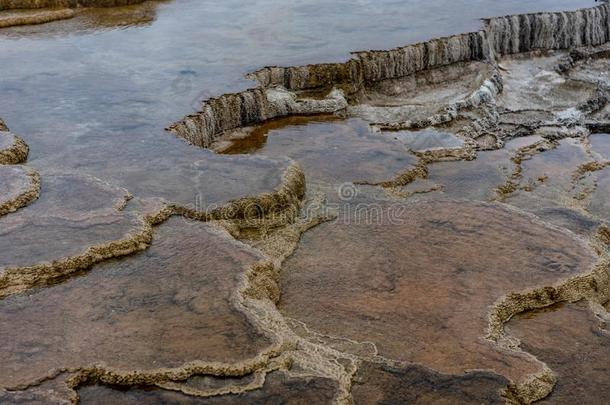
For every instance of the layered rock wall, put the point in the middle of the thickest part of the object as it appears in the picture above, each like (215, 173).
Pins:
(499, 36)
(546, 31)
(231, 111)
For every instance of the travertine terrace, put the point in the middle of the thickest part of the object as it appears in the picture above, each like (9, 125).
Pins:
(427, 224)
(30, 12)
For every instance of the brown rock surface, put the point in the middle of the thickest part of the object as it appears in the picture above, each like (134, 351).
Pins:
(77, 20)
(419, 280)
(169, 311)
(575, 344)
(547, 178)
(18, 187)
(379, 384)
(50, 392)
(279, 388)
(330, 150)
(477, 179)
(12, 149)
(76, 222)
(32, 17)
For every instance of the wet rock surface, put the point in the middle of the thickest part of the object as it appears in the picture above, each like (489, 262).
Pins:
(32, 23)
(574, 342)
(113, 324)
(421, 95)
(454, 187)
(12, 19)
(18, 187)
(418, 385)
(405, 279)
(27, 13)
(12, 149)
(77, 221)
(332, 151)
(279, 387)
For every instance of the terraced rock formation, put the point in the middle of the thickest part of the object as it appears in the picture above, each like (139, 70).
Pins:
(19, 185)
(33, 4)
(32, 12)
(451, 245)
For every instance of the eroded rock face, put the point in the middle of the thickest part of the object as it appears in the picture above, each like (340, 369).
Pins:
(575, 344)
(527, 32)
(12, 149)
(171, 310)
(255, 106)
(419, 280)
(421, 95)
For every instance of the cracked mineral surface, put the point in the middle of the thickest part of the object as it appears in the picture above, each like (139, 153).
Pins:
(423, 224)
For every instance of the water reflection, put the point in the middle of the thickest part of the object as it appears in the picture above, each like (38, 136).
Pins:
(98, 101)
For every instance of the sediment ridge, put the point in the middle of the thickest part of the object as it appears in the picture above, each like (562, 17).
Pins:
(33, 4)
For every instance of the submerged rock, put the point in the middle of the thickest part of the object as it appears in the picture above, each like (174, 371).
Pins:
(377, 384)
(394, 301)
(279, 387)
(404, 277)
(575, 344)
(78, 221)
(166, 313)
(18, 187)
(32, 4)
(22, 17)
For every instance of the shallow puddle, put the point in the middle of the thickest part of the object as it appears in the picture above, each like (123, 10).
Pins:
(332, 151)
(173, 306)
(278, 388)
(405, 271)
(575, 344)
(418, 280)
